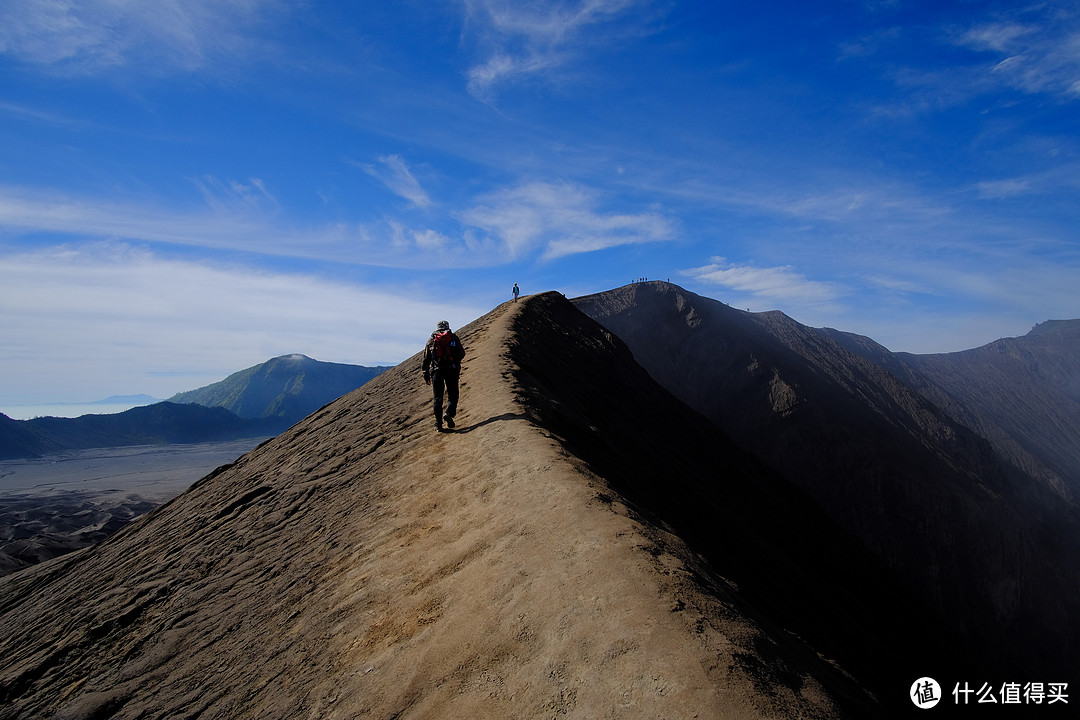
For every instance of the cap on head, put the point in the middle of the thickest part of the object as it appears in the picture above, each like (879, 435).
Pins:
(443, 325)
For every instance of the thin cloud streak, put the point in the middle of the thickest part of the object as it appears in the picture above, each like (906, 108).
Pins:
(1041, 56)
(767, 287)
(395, 174)
(236, 197)
(92, 37)
(36, 211)
(243, 218)
(1033, 50)
(909, 169)
(561, 218)
(163, 320)
(1063, 180)
(526, 40)
(555, 220)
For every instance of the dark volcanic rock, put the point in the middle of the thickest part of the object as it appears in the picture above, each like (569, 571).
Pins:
(1022, 394)
(994, 551)
(791, 563)
(583, 545)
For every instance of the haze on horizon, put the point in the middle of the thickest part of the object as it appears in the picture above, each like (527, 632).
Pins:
(189, 190)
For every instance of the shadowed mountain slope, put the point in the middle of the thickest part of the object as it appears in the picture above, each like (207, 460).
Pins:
(995, 552)
(18, 440)
(542, 561)
(160, 423)
(1022, 394)
(289, 387)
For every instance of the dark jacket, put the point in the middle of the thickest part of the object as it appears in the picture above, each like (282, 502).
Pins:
(452, 363)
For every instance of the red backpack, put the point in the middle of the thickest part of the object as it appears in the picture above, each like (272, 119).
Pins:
(447, 348)
(442, 342)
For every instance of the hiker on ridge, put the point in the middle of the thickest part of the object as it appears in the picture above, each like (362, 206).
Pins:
(442, 363)
(516, 291)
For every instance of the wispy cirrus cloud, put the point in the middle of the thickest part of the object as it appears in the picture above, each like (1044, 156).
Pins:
(562, 219)
(236, 197)
(770, 286)
(998, 37)
(1032, 49)
(34, 114)
(236, 218)
(849, 201)
(1063, 180)
(87, 37)
(393, 172)
(1034, 57)
(522, 40)
(550, 219)
(175, 324)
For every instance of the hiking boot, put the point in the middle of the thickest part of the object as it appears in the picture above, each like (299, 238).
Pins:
(449, 421)
(438, 425)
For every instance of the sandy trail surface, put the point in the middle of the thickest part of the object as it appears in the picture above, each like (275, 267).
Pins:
(362, 565)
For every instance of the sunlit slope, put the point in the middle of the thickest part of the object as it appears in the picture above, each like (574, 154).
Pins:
(527, 565)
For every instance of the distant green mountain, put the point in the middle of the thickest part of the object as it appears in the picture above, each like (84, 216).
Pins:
(262, 400)
(288, 388)
(159, 424)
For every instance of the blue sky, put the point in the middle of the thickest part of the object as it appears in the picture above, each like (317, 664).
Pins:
(190, 187)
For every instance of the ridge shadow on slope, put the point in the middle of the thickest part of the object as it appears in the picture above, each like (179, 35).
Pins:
(993, 552)
(362, 565)
(1022, 394)
(793, 567)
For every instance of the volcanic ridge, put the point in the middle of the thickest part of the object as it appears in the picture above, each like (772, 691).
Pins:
(583, 545)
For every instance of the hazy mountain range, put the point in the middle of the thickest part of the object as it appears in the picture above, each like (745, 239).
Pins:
(261, 400)
(1022, 394)
(653, 505)
(257, 402)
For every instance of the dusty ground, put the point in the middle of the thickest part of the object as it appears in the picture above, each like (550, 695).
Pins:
(53, 505)
(154, 472)
(363, 566)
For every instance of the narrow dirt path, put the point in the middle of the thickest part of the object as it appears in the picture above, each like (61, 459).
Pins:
(362, 565)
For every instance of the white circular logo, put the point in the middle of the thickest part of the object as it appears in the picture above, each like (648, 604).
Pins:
(925, 693)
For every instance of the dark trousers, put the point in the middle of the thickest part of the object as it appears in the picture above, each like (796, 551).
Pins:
(449, 378)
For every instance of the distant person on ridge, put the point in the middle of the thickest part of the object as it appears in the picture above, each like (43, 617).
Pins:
(442, 362)
(516, 291)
